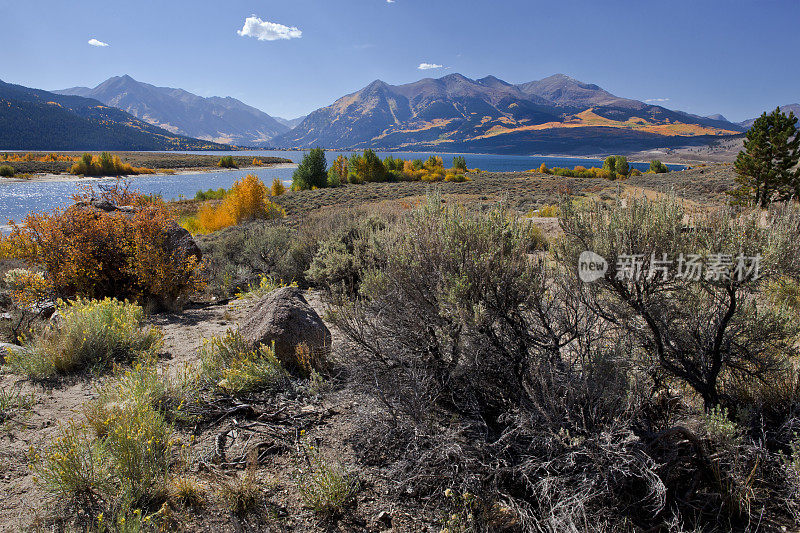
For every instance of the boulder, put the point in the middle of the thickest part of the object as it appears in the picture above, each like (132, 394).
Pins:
(7, 349)
(284, 317)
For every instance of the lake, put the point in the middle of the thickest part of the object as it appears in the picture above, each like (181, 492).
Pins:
(17, 199)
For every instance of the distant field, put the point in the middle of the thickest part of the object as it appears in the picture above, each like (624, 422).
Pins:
(521, 192)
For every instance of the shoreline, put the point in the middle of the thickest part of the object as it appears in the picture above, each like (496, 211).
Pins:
(50, 177)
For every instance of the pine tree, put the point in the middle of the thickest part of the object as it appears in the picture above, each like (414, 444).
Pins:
(767, 166)
(312, 171)
(610, 164)
(372, 168)
(621, 165)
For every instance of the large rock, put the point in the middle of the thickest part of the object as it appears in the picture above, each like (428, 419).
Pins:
(284, 317)
(177, 239)
(7, 350)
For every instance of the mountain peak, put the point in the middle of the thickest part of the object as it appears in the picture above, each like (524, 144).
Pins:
(493, 81)
(455, 77)
(225, 120)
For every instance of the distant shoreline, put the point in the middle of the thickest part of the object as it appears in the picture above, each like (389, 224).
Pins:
(162, 163)
(50, 177)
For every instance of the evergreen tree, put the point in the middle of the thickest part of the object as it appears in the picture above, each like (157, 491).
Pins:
(767, 166)
(312, 171)
(610, 164)
(459, 163)
(621, 165)
(371, 168)
(657, 167)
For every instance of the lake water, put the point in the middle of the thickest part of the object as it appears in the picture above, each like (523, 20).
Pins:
(17, 199)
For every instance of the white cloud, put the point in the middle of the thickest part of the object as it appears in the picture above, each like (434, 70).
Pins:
(390, 1)
(95, 42)
(264, 30)
(657, 100)
(429, 66)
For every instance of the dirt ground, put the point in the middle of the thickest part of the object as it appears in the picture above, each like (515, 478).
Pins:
(328, 420)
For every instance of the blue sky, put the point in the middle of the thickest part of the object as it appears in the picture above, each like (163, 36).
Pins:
(732, 57)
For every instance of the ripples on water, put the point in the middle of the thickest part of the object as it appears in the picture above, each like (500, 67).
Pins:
(17, 199)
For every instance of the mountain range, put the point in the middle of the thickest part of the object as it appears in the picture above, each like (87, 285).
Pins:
(222, 120)
(554, 115)
(557, 114)
(786, 109)
(33, 119)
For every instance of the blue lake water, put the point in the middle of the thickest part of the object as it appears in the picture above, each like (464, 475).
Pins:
(17, 199)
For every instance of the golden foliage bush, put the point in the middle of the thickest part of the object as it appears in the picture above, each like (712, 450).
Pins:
(96, 254)
(105, 165)
(248, 199)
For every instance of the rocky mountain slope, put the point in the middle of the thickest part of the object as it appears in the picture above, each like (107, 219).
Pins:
(32, 119)
(224, 120)
(454, 113)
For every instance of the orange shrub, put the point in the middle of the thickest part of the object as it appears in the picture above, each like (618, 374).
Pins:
(213, 218)
(95, 254)
(247, 199)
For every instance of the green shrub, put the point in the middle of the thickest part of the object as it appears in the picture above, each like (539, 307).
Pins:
(312, 172)
(324, 485)
(211, 194)
(239, 259)
(227, 161)
(342, 257)
(90, 334)
(334, 179)
(657, 167)
(72, 466)
(230, 364)
(6, 171)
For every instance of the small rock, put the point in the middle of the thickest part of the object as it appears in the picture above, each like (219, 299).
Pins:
(384, 519)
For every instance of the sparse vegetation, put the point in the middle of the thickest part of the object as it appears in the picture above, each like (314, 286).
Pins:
(14, 404)
(228, 363)
(475, 382)
(89, 335)
(324, 485)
